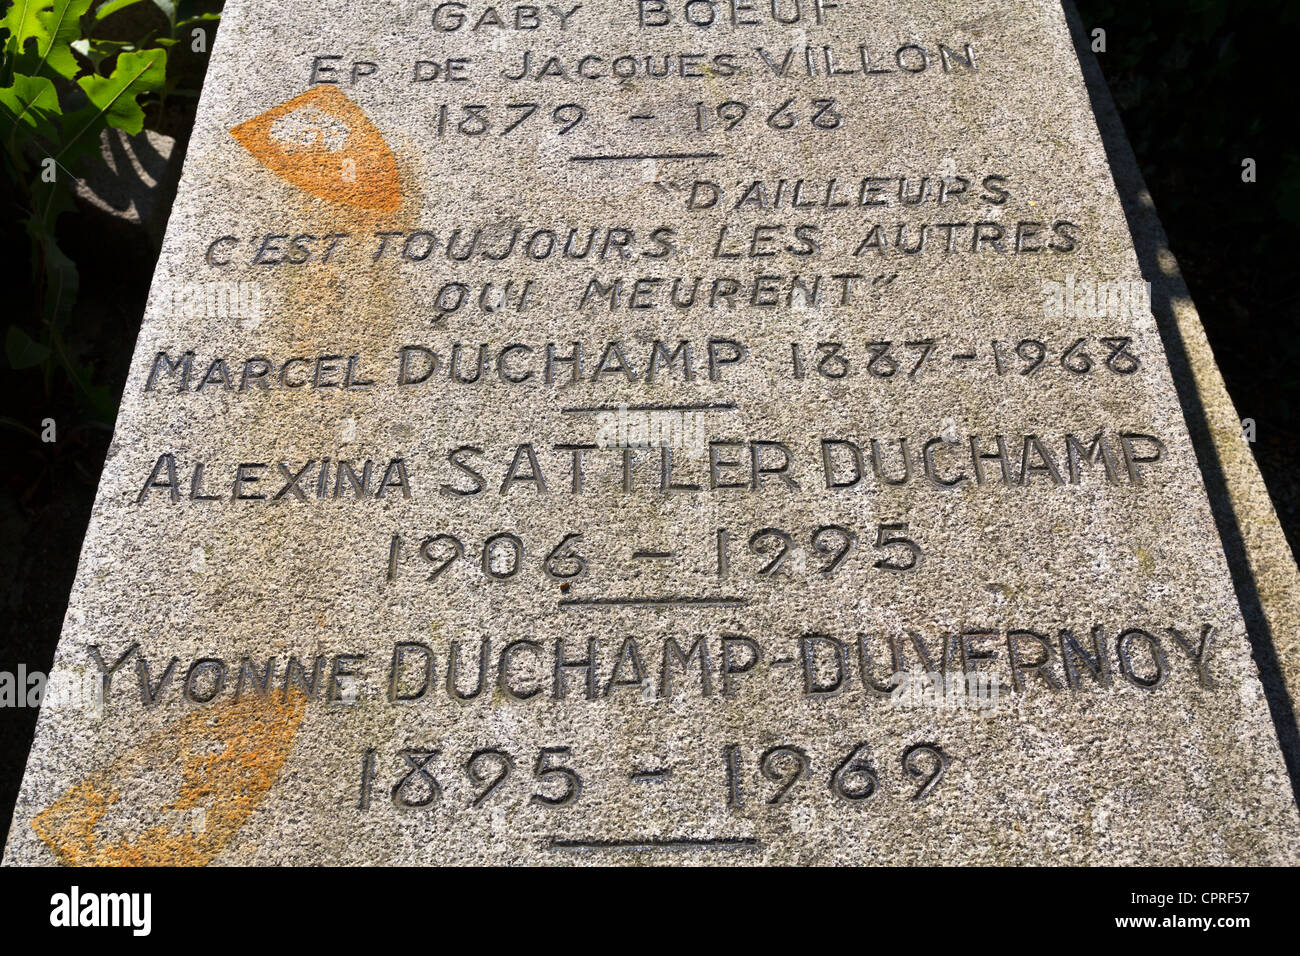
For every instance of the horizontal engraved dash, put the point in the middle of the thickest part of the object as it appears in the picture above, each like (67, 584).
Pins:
(658, 843)
(648, 776)
(699, 407)
(653, 555)
(597, 602)
(617, 157)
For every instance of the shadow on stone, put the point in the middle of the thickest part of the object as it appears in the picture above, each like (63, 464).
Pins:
(1167, 288)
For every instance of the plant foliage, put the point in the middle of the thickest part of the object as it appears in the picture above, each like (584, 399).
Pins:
(61, 85)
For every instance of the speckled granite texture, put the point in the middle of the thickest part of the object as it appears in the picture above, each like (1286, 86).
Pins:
(571, 434)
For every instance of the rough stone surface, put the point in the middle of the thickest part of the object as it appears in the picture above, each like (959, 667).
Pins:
(1167, 754)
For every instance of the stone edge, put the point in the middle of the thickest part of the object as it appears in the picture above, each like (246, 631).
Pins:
(1263, 569)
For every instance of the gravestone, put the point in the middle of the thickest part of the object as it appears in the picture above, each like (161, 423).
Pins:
(709, 431)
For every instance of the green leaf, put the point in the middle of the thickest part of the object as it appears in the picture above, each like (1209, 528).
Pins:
(112, 7)
(22, 350)
(53, 24)
(113, 98)
(31, 102)
(97, 51)
(62, 23)
(22, 24)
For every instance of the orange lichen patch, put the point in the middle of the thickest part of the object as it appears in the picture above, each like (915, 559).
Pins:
(226, 759)
(322, 142)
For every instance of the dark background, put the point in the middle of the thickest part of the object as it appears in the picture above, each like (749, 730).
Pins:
(1199, 86)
